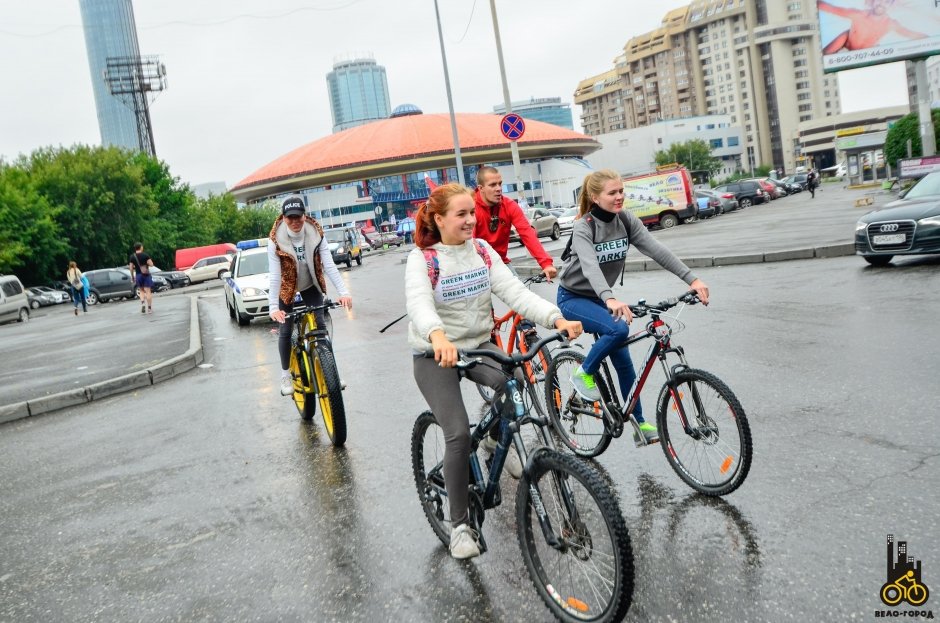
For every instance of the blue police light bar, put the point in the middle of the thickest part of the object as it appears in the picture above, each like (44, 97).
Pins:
(252, 244)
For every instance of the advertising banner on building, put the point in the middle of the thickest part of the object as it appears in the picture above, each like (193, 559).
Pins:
(857, 33)
(918, 167)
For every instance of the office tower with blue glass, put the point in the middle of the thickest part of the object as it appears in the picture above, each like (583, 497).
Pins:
(122, 80)
(358, 93)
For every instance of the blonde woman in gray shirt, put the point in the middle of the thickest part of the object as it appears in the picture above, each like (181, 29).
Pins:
(600, 238)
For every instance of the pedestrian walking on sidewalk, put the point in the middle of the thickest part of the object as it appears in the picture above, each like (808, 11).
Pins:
(140, 265)
(75, 279)
(811, 184)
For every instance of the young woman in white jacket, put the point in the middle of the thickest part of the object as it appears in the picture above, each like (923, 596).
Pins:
(455, 313)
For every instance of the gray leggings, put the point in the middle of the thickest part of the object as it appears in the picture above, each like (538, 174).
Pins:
(441, 389)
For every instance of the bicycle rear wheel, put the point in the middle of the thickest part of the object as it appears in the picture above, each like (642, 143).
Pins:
(427, 462)
(331, 394)
(579, 423)
(714, 456)
(302, 379)
(589, 575)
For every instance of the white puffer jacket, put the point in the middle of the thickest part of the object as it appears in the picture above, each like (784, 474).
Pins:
(461, 302)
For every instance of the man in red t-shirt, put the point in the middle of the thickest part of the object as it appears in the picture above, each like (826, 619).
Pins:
(496, 214)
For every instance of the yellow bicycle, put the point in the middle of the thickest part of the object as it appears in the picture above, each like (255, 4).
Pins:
(313, 370)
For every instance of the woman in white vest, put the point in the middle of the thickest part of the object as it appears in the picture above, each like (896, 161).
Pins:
(449, 281)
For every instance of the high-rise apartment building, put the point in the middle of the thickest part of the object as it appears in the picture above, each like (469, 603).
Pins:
(547, 109)
(756, 60)
(110, 32)
(358, 93)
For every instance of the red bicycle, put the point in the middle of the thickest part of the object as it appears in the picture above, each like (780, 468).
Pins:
(513, 334)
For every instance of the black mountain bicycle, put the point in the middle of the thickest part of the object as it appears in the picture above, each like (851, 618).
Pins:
(702, 426)
(573, 537)
(313, 370)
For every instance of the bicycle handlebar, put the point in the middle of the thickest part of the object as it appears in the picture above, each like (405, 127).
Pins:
(467, 358)
(539, 278)
(303, 309)
(642, 308)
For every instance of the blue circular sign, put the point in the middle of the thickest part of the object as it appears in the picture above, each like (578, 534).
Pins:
(512, 126)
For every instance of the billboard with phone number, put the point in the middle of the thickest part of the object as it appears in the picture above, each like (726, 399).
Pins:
(858, 33)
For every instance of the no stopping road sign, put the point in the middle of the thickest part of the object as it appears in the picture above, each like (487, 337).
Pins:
(512, 126)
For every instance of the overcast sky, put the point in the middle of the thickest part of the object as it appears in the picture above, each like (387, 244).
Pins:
(247, 80)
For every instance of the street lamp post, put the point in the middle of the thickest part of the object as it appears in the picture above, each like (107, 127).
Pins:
(513, 146)
(450, 99)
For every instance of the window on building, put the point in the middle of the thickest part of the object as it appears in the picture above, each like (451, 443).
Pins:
(716, 143)
(732, 140)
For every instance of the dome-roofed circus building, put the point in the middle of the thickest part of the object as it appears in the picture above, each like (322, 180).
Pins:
(346, 175)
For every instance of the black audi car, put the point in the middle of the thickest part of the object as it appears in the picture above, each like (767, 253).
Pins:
(908, 226)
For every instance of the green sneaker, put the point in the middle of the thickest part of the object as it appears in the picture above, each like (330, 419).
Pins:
(584, 384)
(649, 433)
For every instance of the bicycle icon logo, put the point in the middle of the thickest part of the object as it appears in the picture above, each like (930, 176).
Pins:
(903, 577)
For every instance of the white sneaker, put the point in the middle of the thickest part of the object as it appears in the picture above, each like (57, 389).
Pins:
(463, 542)
(287, 386)
(513, 465)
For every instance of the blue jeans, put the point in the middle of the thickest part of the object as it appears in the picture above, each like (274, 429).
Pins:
(611, 334)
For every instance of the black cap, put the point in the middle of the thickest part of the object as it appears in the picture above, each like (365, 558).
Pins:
(294, 204)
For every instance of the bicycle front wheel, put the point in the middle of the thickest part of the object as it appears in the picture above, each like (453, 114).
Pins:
(331, 394)
(302, 380)
(427, 462)
(714, 455)
(578, 422)
(588, 575)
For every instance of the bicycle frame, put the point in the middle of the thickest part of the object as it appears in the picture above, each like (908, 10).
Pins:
(307, 335)
(658, 350)
(509, 417)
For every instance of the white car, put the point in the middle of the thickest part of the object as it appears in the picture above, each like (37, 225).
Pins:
(208, 268)
(246, 286)
(566, 218)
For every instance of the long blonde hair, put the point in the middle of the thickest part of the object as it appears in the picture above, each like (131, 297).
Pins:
(594, 185)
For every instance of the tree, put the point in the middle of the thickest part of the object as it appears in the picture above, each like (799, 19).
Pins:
(695, 155)
(100, 197)
(908, 128)
(31, 244)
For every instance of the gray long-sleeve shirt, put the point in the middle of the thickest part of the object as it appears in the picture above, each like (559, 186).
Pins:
(597, 258)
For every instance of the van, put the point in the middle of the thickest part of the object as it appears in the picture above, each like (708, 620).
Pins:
(185, 258)
(662, 197)
(14, 304)
(344, 245)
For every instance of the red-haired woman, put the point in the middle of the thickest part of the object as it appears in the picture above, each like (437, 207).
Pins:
(449, 303)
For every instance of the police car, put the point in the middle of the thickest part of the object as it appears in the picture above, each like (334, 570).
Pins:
(246, 285)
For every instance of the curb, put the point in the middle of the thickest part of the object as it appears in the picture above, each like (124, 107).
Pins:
(119, 385)
(828, 251)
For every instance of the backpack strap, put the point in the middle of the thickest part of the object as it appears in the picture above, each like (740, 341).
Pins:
(481, 250)
(566, 253)
(434, 265)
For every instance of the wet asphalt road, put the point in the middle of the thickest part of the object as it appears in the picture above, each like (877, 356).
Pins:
(205, 498)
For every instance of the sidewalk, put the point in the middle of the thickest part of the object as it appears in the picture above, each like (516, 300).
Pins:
(59, 360)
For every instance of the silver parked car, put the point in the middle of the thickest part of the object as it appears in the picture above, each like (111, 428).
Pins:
(542, 221)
